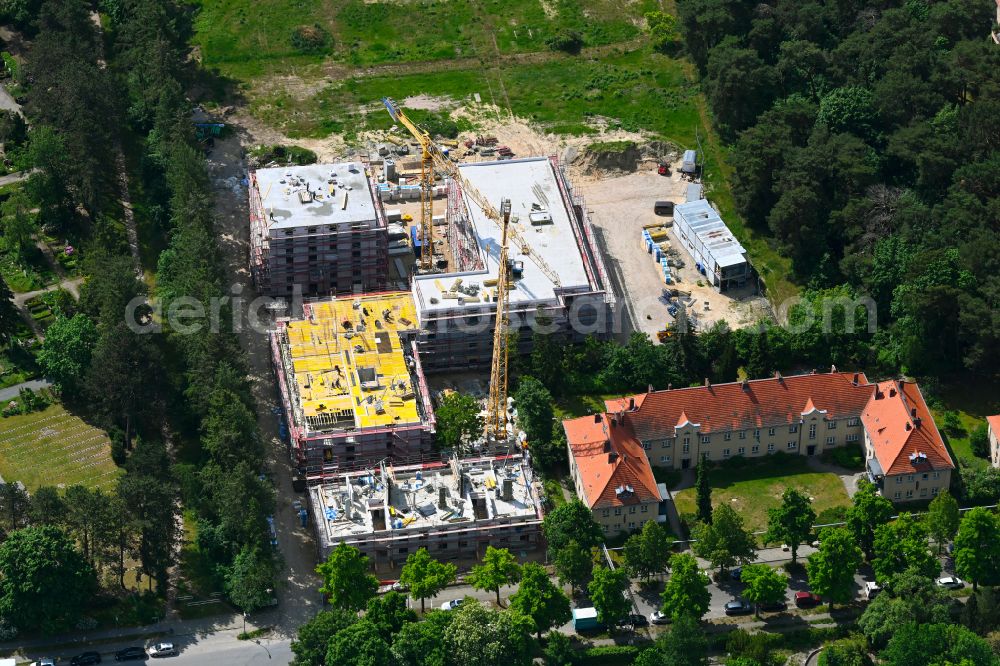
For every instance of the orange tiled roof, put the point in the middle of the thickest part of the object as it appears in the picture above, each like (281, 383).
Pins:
(608, 457)
(752, 404)
(900, 426)
(994, 421)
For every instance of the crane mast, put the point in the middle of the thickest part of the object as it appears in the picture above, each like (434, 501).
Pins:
(426, 182)
(496, 408)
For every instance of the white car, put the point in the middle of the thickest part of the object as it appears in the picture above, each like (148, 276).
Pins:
(950, 582)
(163, 650)
(451, 605)
(656, 617)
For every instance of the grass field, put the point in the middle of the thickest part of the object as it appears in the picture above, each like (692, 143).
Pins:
(245, 38)
(53, 448)
(754, 489)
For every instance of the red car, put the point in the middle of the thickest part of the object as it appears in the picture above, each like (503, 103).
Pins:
(807, 600)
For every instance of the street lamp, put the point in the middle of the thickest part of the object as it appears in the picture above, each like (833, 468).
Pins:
(265, 648)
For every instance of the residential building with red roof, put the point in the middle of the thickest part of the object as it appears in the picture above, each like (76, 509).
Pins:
(612, 474)
(906, 456)
(800, 415)
(993, 428)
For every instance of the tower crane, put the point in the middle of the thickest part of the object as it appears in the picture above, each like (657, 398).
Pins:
(496, 406)
(426, 182)
(440, 161)
(433, 157)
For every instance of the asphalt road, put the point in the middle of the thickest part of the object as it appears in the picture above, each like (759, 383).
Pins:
(211, 650)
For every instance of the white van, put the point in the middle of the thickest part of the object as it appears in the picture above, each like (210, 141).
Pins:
(871, 589)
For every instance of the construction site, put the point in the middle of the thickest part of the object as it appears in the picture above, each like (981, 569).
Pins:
(482, 249)
(455, 508)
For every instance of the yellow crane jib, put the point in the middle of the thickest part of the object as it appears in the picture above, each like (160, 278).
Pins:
(427, 149)
(496, 408)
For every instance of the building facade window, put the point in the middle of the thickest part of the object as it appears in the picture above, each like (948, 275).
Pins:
(897, 495)
(687, 440)
(604, 513)
(770, 432)
(793, 428)
(631, 509)
(831, 440)
(687, 448)
(755, 449)
(935, 475)
(853, 438)
(743, 434)
(705, 439)
(934, 491)
(664, 459)
(647, 445)
(909, 494)
(741, 450)
(644, 508)
(852, 422)
(618, 511)
(725, 453)
(812, 431)
(792, 445)
(899, 479)
(727, 436)
(831, 425)
(770, 448)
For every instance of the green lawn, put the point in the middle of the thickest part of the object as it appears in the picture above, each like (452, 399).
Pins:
(754, 489)
(55, 448)
(574, 406)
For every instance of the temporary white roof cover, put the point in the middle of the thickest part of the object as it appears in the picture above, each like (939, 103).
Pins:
(713, 234)
(525, 182)
(280, 188)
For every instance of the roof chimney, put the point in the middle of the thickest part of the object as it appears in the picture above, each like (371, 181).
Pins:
(597, 418)
(745, 384)
(892, 391)
(777, 375)
(856, 378)
(913, 412)
(631, 404)
(708, 384)
(908, 426)
(833, 369)
(649, 388)
(612, 457)
(614, 422)
(670, 386)
(917, 421)
(813, 371)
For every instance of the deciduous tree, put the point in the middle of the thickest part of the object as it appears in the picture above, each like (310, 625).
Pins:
(726, 542)
(499, 568)
(686, 593)
(360, 644)
(534, 410)
(574, 565)
(764, 585)
(902, 545)
(869, 510)
(977, 547)
(831, 569)
(607, 594)
(313, 638)
(346, 580)
(250, 581)
(943, 518)
(67, 349)
(571, 521)
(426, 576)
(457, 420)
(538, 597)
(648, 552)
(792, 522)
(44, 580)
(479, 636)
(422, 643)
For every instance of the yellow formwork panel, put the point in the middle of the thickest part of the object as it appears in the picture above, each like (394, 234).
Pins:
(348, 360)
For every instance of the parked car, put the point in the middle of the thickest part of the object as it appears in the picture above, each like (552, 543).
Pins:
(656, 617)
(44, 661)
(775, 607)
(739, 607)
(86, 659)
(950, 582)
(130, 654)
(634, 620)
(163, 650)
(872, 589)
(736, 573)
(451, 605)
(807, 600)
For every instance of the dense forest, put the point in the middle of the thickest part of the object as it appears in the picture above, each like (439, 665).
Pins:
(106, 109)
(865, 137)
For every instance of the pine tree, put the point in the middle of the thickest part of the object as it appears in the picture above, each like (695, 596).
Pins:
(704, 493)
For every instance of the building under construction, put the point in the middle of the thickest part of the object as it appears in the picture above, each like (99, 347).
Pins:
(318, 227)
(572, 298)
(454, 508)
(351, 384)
